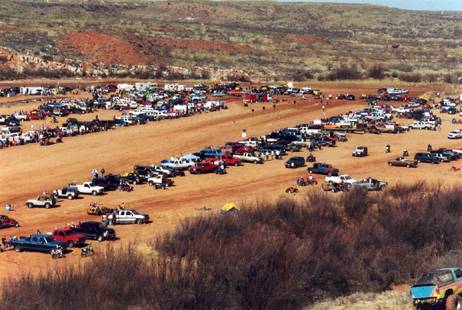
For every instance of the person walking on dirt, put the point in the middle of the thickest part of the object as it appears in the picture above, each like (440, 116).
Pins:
(103, 172)
(94, 173)
(405, 153)
(429, 148)
(387, 148)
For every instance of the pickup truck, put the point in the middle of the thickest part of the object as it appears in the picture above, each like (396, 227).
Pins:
(95, 230)
(69, 236)
(370, 184)
(89, 188)
(177, 163)
(205, 167)
(249, 158)
(322, 168)
(441, 287)
(36, 243)
(421, 125)
(132, 178)
(160, 181)
(46, 201)
(229, 160)
(403, 162)
(126, 216)
(344, 178)
(67, 192)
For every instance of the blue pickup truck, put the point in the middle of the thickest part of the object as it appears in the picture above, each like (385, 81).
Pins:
(36, 243)
(438, 289)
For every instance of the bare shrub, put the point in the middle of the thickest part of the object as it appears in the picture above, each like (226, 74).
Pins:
(280, 255)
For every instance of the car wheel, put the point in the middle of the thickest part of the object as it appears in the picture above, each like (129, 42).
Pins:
(236, 164)
(94, 193)
(390, 164)
(138, 221)
(17, 248)
(47, 205)
(69, 197)
(100, 238)
(408, 166)
(30, 205)
(255, 162)
(70, 244)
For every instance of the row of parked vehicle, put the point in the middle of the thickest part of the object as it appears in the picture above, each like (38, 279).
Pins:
(12, 134)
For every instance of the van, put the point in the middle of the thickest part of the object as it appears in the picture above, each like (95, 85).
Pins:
(210, 153)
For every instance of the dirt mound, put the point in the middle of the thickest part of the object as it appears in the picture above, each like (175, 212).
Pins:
(204, 45)
(305, 38)
(104, 48)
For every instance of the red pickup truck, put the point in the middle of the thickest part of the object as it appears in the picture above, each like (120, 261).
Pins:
(204, 167)
(227, 159)
(69, 236)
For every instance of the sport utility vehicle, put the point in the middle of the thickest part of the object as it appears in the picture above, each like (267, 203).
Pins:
(426, 158)
(295, 162)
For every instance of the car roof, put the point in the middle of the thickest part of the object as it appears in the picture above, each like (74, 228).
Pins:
(90, 222)
(39, 235)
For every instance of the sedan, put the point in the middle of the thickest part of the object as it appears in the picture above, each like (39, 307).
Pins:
(455, 134)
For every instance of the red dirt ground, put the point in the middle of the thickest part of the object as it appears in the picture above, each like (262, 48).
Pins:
(100, 47)
(31, 169)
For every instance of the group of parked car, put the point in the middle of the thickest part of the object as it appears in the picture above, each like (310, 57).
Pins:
(275, 145)
(138, 108)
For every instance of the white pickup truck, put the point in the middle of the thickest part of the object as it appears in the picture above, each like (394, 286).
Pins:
(162, 170)
(126, 216)
(344, 178)
(176, 163)
(249, 158)
(160, 181)
(88, 188)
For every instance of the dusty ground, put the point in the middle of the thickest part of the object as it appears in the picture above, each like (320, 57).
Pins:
(29, 170)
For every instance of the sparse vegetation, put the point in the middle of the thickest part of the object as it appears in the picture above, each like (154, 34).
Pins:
(281, 255)
(264, 40)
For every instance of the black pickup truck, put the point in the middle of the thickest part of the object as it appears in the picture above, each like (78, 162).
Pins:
(95, 230)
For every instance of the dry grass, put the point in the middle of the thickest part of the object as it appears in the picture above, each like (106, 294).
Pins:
(389, 300)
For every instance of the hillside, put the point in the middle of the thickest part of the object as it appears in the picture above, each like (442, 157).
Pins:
(238, 40)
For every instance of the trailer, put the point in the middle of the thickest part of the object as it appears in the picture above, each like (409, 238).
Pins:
(32, 91)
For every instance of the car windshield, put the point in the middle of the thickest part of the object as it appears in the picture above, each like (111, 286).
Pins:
(48, 239)
(440, 278)
(101, 226)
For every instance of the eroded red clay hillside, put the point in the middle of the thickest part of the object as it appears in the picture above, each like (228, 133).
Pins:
(100, 47)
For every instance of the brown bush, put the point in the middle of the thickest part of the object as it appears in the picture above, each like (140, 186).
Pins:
(281, 255)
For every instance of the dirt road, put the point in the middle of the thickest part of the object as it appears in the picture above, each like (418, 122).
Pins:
(29, 170)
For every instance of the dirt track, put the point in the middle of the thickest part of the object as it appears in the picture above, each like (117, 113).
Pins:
(31, 169)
